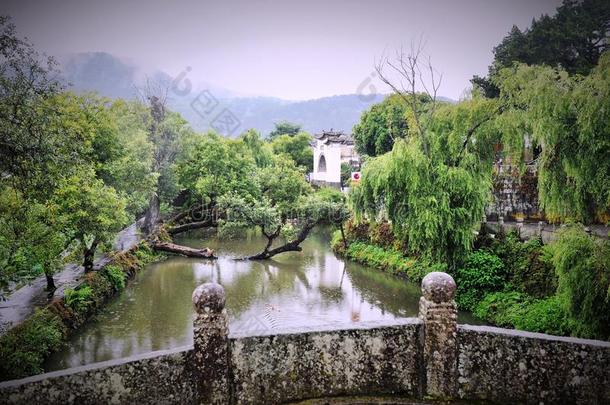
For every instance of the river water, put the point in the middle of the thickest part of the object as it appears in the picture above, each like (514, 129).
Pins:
(293, 290)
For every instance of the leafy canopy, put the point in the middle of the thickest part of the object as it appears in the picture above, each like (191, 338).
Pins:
(434, 196)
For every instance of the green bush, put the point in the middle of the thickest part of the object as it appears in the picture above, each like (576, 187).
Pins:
(516, 310)
(24, 348)
(145, 255)
(336, 243)
(482, 273)
(582, 263)
(357, 231)
(525, 264)
(546, 316)
(501, 308)
(115, 275)
(80, 299)
(381, 234)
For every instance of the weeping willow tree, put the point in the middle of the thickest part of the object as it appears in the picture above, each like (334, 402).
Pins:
(568, 118)
(434, 199)
(435, 183)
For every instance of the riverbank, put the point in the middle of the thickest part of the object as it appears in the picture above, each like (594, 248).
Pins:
(557, 288)
(24, 348)
(296, 291)
(21, 303)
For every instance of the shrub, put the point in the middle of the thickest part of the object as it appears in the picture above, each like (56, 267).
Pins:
(336, 243)
(357, 231)
(24, 348)
(529, 270)
(80, 299)
(115, 275)
(525, 264)
(381, 234)
(582, 264)
(545, 316)
(501, 308)
(391, 261)
(517, 310)
(482, 273)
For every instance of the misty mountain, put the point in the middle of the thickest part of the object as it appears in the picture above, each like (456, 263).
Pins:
(206, 106)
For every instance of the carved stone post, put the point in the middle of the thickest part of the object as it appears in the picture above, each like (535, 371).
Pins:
(211, 344)
(439, 312)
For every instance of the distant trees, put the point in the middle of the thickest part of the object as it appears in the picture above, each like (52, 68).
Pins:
(573, 40)
(248, 183)
(284, 128)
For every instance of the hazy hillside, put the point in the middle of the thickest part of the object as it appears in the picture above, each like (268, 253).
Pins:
(112, 77)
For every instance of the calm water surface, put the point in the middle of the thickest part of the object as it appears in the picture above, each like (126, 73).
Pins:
(294, 290)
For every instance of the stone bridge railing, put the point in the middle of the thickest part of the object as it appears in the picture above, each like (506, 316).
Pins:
(429, 356)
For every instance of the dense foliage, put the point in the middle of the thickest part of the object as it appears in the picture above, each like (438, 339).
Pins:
(582, 264)
(574, 39)
(433, 186)
(381, 126)
(284, 128)
(481, 272)
(568, 117)
(75, 168)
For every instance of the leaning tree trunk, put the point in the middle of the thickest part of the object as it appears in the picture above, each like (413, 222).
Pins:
(89, 254)
(50, 282)
(153, 215)
(292, 246)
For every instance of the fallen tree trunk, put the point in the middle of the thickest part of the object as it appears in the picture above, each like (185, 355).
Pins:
(184, 250)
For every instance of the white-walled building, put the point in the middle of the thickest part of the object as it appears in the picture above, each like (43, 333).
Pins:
(330, 149)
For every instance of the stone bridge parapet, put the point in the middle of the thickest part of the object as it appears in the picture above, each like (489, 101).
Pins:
(430, 356)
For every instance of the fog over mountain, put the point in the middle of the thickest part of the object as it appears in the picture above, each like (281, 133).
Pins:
(202, 103)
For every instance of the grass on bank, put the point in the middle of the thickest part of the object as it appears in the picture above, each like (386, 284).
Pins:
(561, 288)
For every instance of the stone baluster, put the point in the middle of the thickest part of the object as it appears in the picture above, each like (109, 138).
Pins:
(438, 311)
(211, 344)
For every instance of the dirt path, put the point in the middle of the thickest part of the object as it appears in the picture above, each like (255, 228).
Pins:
(22, 302)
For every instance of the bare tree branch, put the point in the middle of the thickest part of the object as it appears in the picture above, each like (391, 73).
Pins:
(411, 75)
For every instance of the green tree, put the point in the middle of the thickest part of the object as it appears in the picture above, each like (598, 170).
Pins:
(573, 39)
(434, 195)
(380, 126)
(260, 150)
(131, 173)
(288, 208)
(90, 212)
(35, 145)
(217, 166)
(582, 264)
(284, 128)
(567, 117)
(297, 147)
(31, 240)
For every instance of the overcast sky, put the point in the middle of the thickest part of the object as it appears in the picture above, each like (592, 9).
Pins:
(288, 49)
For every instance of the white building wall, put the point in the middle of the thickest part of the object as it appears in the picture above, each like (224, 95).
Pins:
(332, 154)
